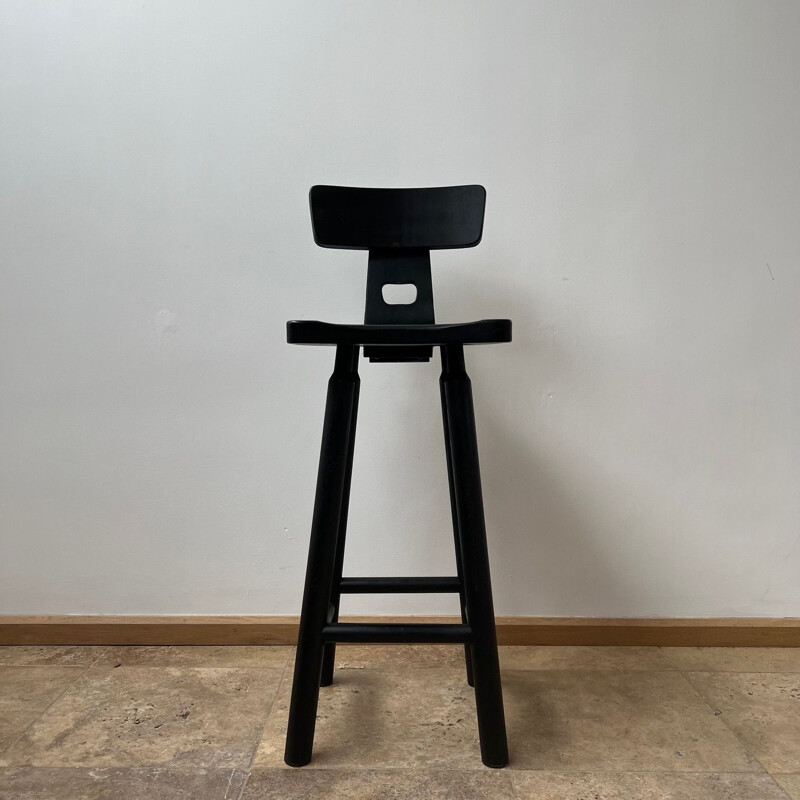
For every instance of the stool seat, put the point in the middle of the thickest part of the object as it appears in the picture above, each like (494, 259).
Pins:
(485, 331)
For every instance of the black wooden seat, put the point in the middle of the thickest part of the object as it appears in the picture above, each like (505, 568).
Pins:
(485, 331)
(399, 227)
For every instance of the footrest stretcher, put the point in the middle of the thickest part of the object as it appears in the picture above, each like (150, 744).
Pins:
(395, 633)
(398, 585)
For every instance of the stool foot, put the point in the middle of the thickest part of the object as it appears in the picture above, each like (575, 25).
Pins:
(335, 456)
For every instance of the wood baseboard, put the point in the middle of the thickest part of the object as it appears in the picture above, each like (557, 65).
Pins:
(270, 630)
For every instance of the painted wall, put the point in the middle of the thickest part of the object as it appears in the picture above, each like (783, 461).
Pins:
(640, 439)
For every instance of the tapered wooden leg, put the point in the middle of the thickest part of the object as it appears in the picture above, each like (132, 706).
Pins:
(329, 654)
(342, 393)
(474, 556)
(456, 536)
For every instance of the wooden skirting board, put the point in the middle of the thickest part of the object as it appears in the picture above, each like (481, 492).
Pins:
(265, 630)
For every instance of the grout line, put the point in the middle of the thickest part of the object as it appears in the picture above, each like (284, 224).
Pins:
(780, 785)
(264, 728)
(681, 773)
(572, 670)
(46, 666)
(512, 784)
(101, 653)
(725, 722)
(510, 770)
(69, 686)
(271, 706)
(101, 650)
(722, 719)
(739, 672)
(665, 656)
(677, 663)
(560, 771)
(227, 788)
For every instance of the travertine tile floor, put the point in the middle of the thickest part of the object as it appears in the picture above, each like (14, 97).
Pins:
(584, 723)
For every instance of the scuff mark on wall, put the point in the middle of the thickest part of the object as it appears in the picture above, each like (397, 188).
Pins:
(164, 322)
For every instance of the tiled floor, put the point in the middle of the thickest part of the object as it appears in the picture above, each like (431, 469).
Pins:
(584, 723)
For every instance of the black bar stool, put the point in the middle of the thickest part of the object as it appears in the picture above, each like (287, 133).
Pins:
(399, 227)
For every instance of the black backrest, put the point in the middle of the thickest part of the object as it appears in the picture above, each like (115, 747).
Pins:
(399, 227)
(350, 218)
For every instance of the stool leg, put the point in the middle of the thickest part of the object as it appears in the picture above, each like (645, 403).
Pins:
(456, 535)
(342, 391)
(329, 655)
(474, 557)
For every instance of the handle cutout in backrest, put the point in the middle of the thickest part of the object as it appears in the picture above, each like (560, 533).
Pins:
(399, 270)
(399, 294)
(393, 270)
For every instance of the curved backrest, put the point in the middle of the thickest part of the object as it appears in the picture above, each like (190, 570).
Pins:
(399, 227)
(352, 218)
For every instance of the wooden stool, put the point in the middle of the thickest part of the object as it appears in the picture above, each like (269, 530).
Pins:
(399, 227)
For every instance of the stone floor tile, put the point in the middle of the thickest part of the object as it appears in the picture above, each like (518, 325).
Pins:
(25, 692)
(644, 786)
(547, 657)
(762, 709)
(208, 718)
(71, 783)
(444, 655)
(790, 784)
(556, 720)
(615, 720)
(405, 717)
(328, 784)
(735, 659)
(32, 656)
(544, 657)
(211, 656)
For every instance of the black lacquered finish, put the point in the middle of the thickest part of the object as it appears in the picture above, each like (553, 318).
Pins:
(395, 633)
(354, 218)
(477, 584)
(334, 464)
(399, 227)
(398, 585)
(485, 331)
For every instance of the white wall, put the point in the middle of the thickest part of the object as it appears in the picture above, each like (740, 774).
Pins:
(640, 439)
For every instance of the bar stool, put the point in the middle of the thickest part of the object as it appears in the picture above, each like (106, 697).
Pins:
(399, 228)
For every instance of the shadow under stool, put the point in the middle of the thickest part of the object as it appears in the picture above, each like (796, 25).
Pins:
(399, 228)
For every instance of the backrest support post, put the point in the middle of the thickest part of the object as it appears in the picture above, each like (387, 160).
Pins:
(399, 266)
